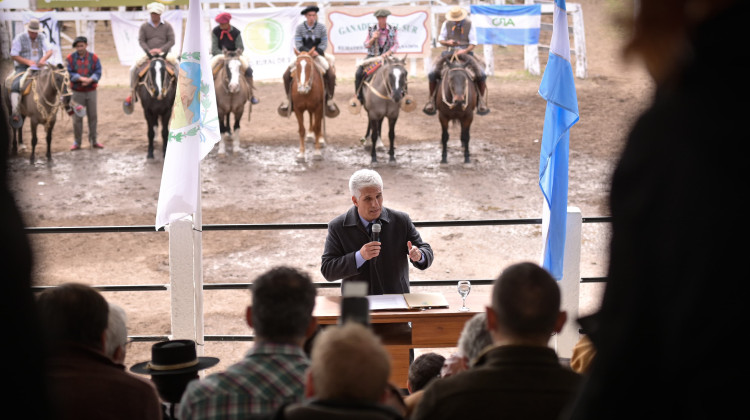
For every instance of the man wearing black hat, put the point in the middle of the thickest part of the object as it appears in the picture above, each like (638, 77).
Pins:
(312, 35)
(227, 37)
(172, 366)
(85, 70)
(382, 41)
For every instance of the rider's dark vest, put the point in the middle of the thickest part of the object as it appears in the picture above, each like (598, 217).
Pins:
(227, 39)
(459, 31)
(375, 49)
(310, 39)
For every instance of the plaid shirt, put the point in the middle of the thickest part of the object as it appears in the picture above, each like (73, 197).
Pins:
(269, 376)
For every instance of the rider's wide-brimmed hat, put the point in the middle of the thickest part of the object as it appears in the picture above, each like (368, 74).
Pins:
(408, 104)
(173, 357)
(223, 17)
(155, 7)
(309, 9)
(456, 14)
(33, 26)
(382, 13)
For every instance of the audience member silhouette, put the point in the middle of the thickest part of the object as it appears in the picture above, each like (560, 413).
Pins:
(520, 377)
(16, 261)
(172, 366)
(273, 371)
(84, 382)
(676, 292)
(348, 377)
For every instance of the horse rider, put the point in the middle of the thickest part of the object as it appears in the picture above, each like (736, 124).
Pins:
(227, 37)
(460, 36)
(155, 37)
(30, 51)
(312, 36)
(381, 41)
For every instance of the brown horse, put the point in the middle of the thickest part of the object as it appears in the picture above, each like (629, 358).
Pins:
(49, 88)
(156, 90)
(456, 100)
(383, 94)
(232, 91)
(308, 94)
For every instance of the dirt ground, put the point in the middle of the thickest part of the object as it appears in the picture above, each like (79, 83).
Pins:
(262, 183)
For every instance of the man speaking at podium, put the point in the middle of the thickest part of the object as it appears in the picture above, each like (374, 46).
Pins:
(356, 250)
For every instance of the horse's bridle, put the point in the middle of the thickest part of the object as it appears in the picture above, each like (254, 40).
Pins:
(167, 82)
(227, 75)
(444, 83)
(308, 83)
(60, 91)
(386, 84)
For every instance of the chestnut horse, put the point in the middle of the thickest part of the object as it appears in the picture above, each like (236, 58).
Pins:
(456, 100)
(308, 94)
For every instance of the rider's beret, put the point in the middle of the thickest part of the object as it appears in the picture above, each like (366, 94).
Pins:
(80, 39)
(223, 17)
(382, 13)
(309, 9)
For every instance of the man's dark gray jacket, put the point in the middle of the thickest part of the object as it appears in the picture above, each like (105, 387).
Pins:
(387, 273)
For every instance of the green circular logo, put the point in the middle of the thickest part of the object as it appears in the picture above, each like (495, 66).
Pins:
(263, 36)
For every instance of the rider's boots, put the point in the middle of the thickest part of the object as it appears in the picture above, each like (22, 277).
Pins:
(482, 108)
(429, 107)
(358, 76)
(330, 86)
(249, 79)
(287, 85)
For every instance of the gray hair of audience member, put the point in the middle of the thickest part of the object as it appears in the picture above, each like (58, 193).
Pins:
(424, 369)
(117, 330)
(349, 363)
(475, 337)
(73, 313)
(526, 301)
(364, 178)
(283, 299)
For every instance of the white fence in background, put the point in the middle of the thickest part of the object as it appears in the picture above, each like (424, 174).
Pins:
(85, 22)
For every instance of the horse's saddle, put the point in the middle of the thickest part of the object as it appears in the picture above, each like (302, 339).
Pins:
(25, 83)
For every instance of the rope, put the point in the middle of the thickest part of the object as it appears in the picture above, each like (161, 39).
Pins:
(385, 82)
(445, 83)
(59, 92)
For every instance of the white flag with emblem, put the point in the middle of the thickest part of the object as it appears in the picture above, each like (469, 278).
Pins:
(194, 127)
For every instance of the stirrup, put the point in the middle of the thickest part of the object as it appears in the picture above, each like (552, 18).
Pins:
(483, 111)
(429, 109)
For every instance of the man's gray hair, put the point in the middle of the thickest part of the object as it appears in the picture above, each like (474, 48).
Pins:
(364, 178)
(117, 330)
(474, 337)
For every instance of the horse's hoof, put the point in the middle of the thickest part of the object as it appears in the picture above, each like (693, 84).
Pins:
(301, 158)
(150, 156)
(363, 140)
(22, 146)
(322, 142)
(310, 138)
(317, 155)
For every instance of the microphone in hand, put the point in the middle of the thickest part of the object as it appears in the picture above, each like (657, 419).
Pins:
(376, 227)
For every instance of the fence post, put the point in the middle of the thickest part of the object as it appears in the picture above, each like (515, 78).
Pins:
(185, 293)
(570, 283)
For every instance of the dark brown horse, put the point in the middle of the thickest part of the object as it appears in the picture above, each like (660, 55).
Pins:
(156, 90)
(383, 94)
(308, 95)
(456, 100)
(49, 89)
(232, 91)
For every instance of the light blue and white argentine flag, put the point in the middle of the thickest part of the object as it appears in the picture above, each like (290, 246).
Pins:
(559, 90)
(507, 25)
(194, 127)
